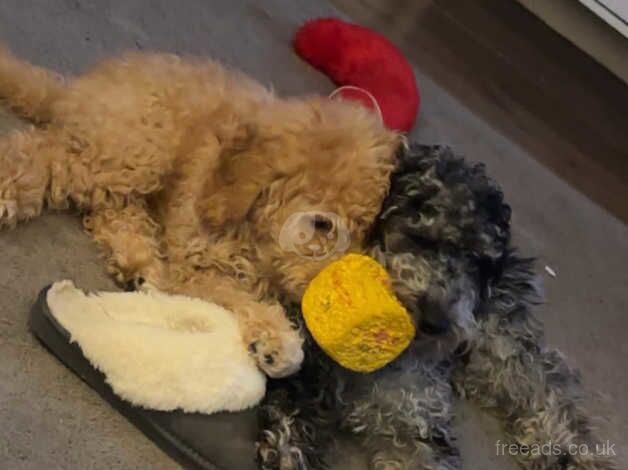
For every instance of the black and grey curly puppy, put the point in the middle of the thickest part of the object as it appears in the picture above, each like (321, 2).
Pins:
(443, 235)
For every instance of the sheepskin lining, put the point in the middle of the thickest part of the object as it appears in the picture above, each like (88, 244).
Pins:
(160, 351)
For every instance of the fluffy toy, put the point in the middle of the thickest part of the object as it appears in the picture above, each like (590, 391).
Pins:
(362, 59)
(352, 313)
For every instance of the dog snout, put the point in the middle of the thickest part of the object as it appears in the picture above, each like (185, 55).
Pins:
(433, 319)
(434, 325)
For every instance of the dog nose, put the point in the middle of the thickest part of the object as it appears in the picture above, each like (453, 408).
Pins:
(434, 322)
(323, 224)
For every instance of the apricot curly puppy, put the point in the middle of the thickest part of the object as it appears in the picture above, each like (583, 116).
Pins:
(186, 173)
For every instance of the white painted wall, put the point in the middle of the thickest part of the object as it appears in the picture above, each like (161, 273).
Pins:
(587, 30)
(614, 12)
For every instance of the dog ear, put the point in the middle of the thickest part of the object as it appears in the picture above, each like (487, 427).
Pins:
(232, 192)
(247, 167)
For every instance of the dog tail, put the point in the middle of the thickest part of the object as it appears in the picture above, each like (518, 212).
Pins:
(26, 89)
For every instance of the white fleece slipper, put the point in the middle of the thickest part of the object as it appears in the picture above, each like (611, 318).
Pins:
(160, 351)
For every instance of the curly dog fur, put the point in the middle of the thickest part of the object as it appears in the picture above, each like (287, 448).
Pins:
(444, 236)
(185, 172)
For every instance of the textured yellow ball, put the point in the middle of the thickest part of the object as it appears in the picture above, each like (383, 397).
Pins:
(353, 315)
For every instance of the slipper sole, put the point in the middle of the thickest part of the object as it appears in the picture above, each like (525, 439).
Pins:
(221, 441)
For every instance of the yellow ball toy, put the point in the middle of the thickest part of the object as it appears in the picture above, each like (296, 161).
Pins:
(352, 313)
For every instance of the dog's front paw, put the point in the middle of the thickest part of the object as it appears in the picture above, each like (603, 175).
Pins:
(134, 284)
(274, 453)
(147, 279)
(8, 213)
(278, 351)
(278, 354)
(139, 284)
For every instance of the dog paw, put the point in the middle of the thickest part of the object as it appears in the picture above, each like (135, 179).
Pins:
(145, 278)
(268, 455)
(273, 454)
(8, 213)
(139, 284)
(278, 354)
(134, 284)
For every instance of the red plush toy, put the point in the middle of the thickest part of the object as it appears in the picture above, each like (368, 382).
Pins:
(370, 67)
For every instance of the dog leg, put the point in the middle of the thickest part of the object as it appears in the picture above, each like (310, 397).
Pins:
(291, 438)
(271, 338)
(538, 396)
(298, 418)
(25, 174)
(40, 166)
(404, 418)
(129, 238)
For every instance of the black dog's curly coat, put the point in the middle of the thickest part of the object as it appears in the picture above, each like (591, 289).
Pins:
(443, 235)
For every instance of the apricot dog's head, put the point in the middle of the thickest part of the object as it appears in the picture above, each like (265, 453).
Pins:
(310, 182)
